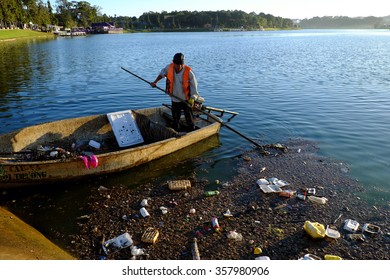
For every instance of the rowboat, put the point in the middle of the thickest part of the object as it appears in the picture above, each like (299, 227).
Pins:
(87, 146)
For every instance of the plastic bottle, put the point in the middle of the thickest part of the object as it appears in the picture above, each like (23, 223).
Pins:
(211, 193)
(195, 250)
(214, 222)
(316, 199)
(144, 212)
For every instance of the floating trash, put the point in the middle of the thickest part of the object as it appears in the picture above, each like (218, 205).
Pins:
(310, 257)
(227, 213)
(371, 229)
(234, 235)
(332, 233)
(314, 229)
(144, 212)
(179, 185)
(150, 235)
(115, 244)
(332, 257)
(351, 225)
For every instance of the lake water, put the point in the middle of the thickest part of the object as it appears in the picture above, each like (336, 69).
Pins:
(328, 86)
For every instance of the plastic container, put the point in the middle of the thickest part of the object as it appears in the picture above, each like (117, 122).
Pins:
(332, 233)
(94, 144)
(351, 225)
(314, 229)
(211, 193)
(371, 229)
(215, 224)
(144, 212)
(318, 200)
(332, 257)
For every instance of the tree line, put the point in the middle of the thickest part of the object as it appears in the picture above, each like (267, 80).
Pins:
(37, 13)
(338, 22)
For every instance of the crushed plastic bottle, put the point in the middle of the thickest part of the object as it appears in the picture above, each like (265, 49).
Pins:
(318, 200)
(211, 193)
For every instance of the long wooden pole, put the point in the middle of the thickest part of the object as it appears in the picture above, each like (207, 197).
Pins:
(200, 110)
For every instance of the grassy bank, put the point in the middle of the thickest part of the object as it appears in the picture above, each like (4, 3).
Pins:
(19, 241)
(16, 34)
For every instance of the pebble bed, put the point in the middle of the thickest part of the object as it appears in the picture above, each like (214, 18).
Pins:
(263, 224)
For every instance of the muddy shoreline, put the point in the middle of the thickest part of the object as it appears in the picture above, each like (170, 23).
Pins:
(265, 221)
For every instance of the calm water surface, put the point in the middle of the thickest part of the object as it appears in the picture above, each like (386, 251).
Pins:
(327, 86)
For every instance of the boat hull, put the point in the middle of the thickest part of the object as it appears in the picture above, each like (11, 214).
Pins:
(16, 174)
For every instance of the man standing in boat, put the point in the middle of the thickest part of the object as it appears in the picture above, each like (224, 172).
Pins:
(181, 83)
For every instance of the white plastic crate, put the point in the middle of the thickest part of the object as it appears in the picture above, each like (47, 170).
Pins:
(125, 128)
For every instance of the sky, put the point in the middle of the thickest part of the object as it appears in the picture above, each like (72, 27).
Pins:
(293, 9)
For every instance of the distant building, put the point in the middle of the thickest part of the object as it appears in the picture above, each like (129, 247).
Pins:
(105, 28)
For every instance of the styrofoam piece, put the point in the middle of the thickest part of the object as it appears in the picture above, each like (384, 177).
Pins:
(270, 188)
(262, 181)
(125, 128)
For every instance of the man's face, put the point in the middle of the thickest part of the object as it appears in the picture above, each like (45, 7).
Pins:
(178, 67)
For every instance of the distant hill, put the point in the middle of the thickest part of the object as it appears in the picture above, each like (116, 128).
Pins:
(342, 22)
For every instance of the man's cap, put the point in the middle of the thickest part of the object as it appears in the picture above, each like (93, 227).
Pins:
(178, 58)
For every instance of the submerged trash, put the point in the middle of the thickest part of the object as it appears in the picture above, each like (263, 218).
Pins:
(115, 244)
(314, 229)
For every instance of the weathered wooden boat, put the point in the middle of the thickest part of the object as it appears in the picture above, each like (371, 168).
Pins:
(92, 145)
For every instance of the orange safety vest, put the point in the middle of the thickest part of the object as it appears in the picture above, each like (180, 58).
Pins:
(186, 80)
